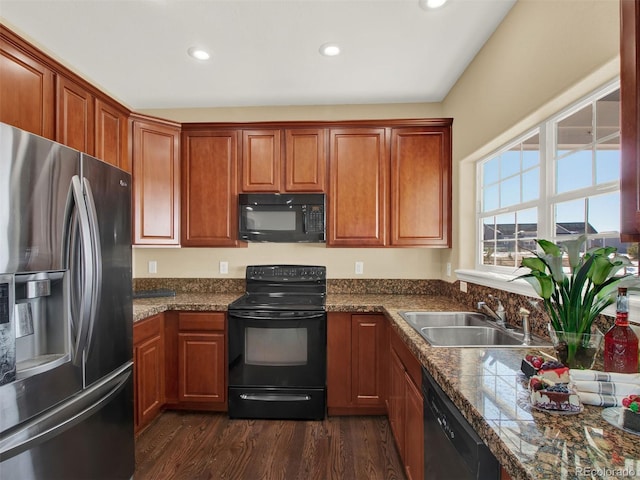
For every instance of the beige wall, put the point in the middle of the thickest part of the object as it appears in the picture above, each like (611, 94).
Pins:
(544, 55)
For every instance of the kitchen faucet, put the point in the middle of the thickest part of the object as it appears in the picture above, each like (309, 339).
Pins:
(499, 315)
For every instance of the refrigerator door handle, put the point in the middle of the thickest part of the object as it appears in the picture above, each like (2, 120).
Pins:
(85, 274)
(96, 256)
(65, 416)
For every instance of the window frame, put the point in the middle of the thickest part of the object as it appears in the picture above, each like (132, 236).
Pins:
(548, 197)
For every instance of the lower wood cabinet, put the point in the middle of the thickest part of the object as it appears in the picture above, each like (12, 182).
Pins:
(356, 354)
(148, 371)
(202, 360)
(405, 406)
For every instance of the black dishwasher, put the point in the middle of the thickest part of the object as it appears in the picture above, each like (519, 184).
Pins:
(452, 449)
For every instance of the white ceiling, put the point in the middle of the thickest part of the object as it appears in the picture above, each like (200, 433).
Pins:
(263, 52)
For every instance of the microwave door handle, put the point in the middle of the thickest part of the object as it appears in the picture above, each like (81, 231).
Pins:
(82, 275)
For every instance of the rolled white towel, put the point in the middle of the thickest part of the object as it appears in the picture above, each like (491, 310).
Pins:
(598, 376)
(601, 400)
(607, 388)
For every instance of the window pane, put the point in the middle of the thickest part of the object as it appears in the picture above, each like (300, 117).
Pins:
(491, 198)
(491, 171)
(604, 213)
(531, 152)
(608, 115)
(608, 162)
(527, 221)
(505, 255)
(510, 192)
(574, 172)
(488, 251)
(570, 217)
(510, 162)
(575, 131)
(489, 227)
(531, 185)
(505, 226)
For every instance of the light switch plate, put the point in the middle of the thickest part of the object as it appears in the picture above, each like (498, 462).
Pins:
(224, 268)
(153, 266)
(359, 268)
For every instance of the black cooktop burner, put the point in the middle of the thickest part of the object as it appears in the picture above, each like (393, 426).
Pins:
(283, 287)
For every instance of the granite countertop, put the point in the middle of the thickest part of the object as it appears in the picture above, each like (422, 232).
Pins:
(488, 388)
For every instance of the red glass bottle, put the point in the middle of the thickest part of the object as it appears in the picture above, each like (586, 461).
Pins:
(620, 343)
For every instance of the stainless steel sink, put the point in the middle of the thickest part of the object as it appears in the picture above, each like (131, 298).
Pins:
(466, 329)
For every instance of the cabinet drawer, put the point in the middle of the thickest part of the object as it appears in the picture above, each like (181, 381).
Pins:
(149, 327)
(201, 321)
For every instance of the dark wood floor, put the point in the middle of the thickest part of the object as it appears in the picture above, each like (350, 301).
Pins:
(193, 446)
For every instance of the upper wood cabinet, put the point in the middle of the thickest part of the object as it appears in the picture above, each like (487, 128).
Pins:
(630, 120)
(209, 188)
(390, 186)
(75, 115)
(421, 186)
(358, 176)
(301, 168)
(27, 90)
(111, 142)
(156, 177)
(305, 160)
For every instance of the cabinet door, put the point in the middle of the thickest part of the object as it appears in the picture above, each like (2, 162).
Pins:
(74, 123)
(149, 361)
(111, 139)
(261, 158)
(358, 166)
(305, 160)
(209, 189)
(201, 365)
(156, 183)
(414, 431)
(26, 91)
(397, 401)
(421, 186)
(338, 362)
(367, 345)
(630, 121)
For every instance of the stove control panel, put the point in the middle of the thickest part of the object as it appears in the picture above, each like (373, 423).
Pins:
(286, 273)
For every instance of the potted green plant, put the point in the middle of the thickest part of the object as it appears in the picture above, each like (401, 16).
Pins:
(575, 298)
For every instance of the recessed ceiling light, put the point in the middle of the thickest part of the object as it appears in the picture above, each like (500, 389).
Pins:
(330, 50)
(431, 4)
(198, 53)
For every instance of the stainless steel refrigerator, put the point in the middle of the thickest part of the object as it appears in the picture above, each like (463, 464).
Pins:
(66, 387)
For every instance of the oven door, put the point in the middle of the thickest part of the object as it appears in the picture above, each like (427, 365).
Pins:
(277, 364)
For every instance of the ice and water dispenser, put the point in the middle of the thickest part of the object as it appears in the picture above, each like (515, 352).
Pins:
(34, 334)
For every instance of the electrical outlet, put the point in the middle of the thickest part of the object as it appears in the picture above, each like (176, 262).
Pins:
(463, 287)
(448, 269)
(224, 267)
(359, 268)
(153, 266)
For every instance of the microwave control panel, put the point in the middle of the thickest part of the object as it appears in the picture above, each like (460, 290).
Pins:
(315, 218)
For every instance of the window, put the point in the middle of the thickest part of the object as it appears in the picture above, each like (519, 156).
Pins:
(557, 181)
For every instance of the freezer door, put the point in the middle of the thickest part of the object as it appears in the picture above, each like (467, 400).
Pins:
(35, 177)
(108, 197)
(88, 437)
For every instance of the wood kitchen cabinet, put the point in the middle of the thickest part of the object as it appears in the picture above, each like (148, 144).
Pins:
(356, 355)
(111, 137)
(156, 176)
(202, 366)
(630, 120)
(148, 371)
(297, 165)
(421, 186)
(210, 188)
(358, 166)
(405, 406)
(75, 115)
(27, 87)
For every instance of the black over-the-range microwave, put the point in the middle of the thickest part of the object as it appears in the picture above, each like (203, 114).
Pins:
(282, 217)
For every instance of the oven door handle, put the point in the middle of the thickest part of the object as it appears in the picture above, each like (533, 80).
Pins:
(275, 397)
(249, 315)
